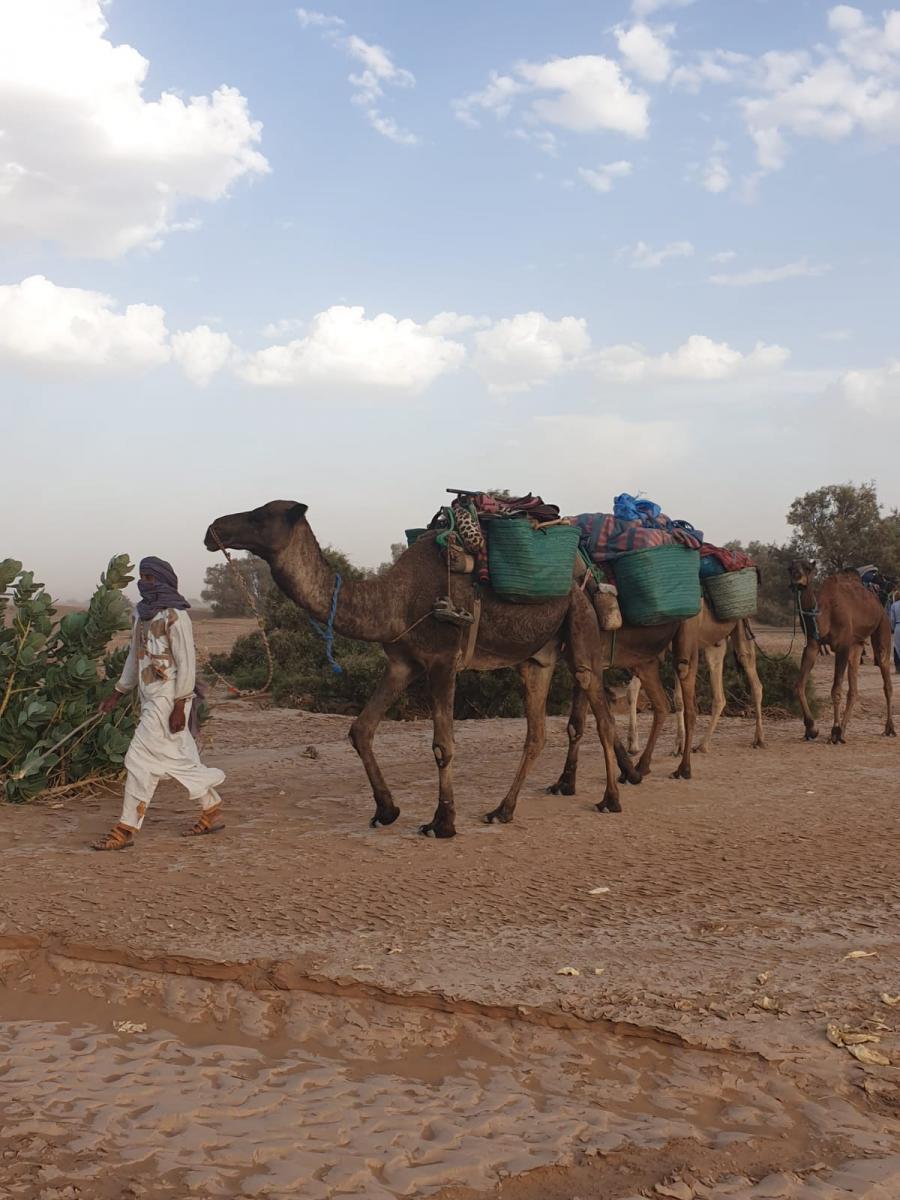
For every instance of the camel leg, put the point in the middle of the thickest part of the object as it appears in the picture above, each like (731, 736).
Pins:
(634, 691)
(678, 744)
(398, 675)
(685, 653)
(807, 662)
(656, 693)
(745, 652)
(536, 678)
(854, 658)
(715, 661)
(841, 661)
(606, 728)
(443, 690)
(883, 649)
(565, 785)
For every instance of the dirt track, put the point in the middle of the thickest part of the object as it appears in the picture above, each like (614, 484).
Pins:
(409, 988)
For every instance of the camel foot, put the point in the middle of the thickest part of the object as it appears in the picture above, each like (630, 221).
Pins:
(562, 787)
(681, 773)
(499, 815)
(811, 734)
(890, 731)
(609, 804)
(758, 744)
(386, 817)
(701, 749)
(837, 736)
(433, 829)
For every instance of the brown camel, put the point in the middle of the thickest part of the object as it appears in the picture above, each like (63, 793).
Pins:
(395, 610)
(715, 636)
(840, 614)
(639, 648)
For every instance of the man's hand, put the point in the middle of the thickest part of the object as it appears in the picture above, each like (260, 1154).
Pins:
(177, 719)
(107, 705)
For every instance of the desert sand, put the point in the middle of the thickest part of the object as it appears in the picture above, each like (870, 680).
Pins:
(302, 1006)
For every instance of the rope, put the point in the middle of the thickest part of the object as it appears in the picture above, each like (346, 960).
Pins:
(789, 653)
(326, 631)
(235, 691)
(62, 741)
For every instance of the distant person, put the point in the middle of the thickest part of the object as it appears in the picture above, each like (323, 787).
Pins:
(894, 614)
(161, 665)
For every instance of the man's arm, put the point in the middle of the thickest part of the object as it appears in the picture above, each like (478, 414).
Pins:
(129, 677)
(181, 643)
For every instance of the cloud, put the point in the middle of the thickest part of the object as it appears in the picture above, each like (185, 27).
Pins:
(644, 50)
(759, 275)
(645, 258)
(836, 335)
(87, 162)
(723, 256)
(44, 326)
(710, 66)
(378, 72)
(345, 348)
(446, 323)
(277, 329)
(698, 359)
(873, 391)
(585, 94)
(645, 8)
(715, 174)
(629, 449)
(202, 353)
(603, 178)
(520, 352)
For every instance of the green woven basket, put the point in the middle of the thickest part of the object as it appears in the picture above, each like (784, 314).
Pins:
(733, 595)
(529, 564)
(659, 584)
(413, 535)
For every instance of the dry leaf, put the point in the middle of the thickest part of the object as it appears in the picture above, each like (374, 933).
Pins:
(598, 891)
(834, 1035)
(862, 954)
(767, 1004)
(395, 950)
(362, 967)
(676, 1188)
(873, 1058)
(599, 970)
(859, 1039)
(568, 971)
(764, 977)
(891, 1001)
(129, 1027)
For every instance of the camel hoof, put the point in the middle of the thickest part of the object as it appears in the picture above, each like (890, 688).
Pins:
(681, 773)
(497, 815)
(837, 737)
(438, 831)
(609, 805)
(760, 745)
(810, 735)
(890, 731)
(384, 819)
(561, 789)
(701, 749)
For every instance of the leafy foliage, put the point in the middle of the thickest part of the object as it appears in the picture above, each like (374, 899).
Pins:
(53, 674)
(224, 594)
(842, 525)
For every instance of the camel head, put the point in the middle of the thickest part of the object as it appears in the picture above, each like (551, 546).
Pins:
(800, 573)
(264, 531)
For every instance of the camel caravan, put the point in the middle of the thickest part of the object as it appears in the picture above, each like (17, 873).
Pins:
(494, 583)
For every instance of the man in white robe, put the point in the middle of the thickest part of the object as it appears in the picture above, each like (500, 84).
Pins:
(161, 664)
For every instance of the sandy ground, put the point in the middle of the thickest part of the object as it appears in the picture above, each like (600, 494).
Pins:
(334, 1010)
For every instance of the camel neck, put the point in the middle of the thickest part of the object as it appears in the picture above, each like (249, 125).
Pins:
(303, 573)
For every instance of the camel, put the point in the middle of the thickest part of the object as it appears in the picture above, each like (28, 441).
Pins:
(639, 648)
(714, 638)
(395, 610)
(840, 614)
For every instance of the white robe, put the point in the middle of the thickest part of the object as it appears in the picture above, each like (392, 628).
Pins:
(895, 625)
(161, 664)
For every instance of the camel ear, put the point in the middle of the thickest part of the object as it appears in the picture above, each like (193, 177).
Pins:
(295, 514)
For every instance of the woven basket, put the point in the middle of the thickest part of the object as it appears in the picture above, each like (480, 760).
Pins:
(529, 564)
(413, 535)
(659, 584)
(733, 595)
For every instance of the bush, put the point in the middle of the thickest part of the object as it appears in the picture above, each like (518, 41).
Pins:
(53, 674)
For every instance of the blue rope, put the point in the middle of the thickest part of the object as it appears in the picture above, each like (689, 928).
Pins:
(326, 631)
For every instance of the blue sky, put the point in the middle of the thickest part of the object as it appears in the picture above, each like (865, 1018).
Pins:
(354, 255)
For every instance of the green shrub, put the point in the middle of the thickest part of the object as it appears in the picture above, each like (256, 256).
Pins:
(53, 674)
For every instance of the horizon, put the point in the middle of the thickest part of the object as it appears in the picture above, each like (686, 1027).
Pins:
(358, 254)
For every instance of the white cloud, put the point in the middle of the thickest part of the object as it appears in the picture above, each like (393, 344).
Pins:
(697, 359)
(586, 93)
(723, 256)
(318, 20)
(645, 8)
(519, 352)
(875, 390)
(644, 50)
(378, 72)
(629, 449)
(836, 335)
(87, 161)
(710, 66)
(759, 275)
(44, 326)
(446, 323)
(202, 353)
(645, 258)
(278, 329)
(343, 347)
(602, 179)
(715, 174)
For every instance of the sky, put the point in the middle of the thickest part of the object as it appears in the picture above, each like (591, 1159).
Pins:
(354, 256)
